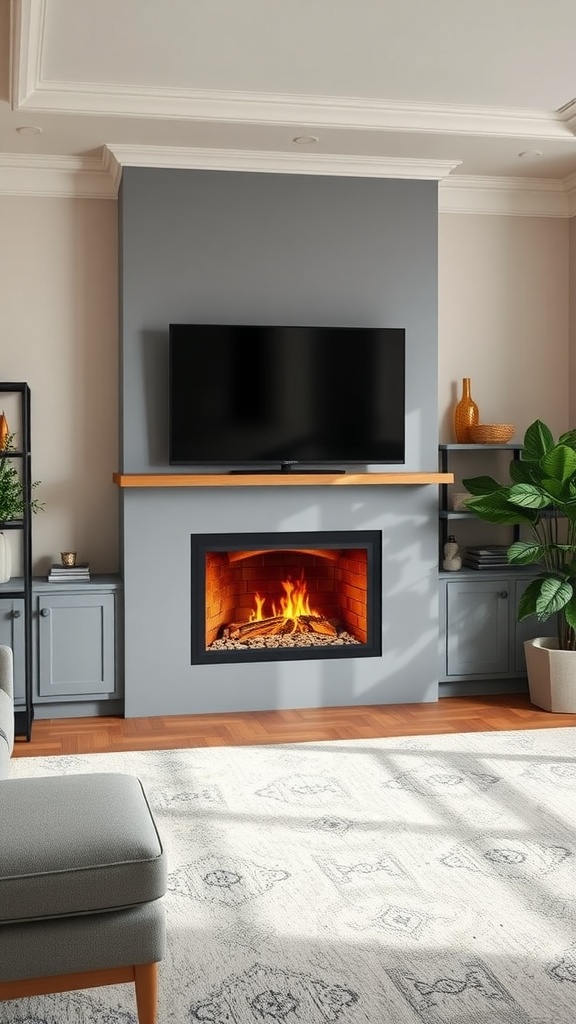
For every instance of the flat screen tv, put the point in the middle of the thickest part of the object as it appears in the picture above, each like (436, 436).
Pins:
(286, 397)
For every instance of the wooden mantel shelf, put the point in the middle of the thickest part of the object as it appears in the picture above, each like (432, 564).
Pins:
(277, 479)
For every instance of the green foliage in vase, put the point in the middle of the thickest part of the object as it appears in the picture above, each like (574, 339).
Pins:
(541, 497)
(11, 488)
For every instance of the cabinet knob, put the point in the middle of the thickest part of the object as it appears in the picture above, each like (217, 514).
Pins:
(44, 612)
(16, 614)
(503, 593)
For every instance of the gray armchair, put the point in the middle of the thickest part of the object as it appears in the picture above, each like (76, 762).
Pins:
(82, 875)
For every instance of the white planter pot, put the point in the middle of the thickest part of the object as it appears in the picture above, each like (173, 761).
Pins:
(5, 559)
(551, 675)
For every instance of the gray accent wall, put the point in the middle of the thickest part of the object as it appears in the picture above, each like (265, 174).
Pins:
(219, 246)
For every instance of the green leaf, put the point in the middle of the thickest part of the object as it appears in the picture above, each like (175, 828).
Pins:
(521, 471)
(528, 496)
(482, 485)
(559, 463)
(525, 552)
(554, 595)
(555, 488)
(494, 508)
(11, 488)
(537, 441)
(568, 438)
(528, 600)
(570, 612)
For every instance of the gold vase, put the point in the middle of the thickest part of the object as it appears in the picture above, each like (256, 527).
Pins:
(4, 431)
(465, 414)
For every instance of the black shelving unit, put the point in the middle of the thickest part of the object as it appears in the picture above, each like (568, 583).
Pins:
(445, 514)
(24, 716)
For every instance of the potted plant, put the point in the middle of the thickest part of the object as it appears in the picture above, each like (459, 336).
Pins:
(541, 497)
(11, 503)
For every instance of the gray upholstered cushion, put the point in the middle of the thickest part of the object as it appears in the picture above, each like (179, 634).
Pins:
(91, 943)
(76, 844)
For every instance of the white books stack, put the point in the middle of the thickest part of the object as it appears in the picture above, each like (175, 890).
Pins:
(79, 573)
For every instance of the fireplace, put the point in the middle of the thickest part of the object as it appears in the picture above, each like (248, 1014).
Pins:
(285, 596)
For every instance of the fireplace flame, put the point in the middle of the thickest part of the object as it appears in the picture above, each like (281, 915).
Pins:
(296, 602)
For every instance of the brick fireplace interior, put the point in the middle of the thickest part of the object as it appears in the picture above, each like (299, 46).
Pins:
(279, 596)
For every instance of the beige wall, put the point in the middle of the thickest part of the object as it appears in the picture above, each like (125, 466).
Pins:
(503, 321)
(572, 319)
(58, 331)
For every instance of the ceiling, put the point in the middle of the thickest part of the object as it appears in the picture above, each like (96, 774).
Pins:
(477, 94)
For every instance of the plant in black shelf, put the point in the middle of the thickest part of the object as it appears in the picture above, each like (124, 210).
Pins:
(542, 497)
(12, 487)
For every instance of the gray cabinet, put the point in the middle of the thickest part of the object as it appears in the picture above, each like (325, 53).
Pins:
(477, 621)
(13, 635)
(76, 645)
(480, 635)
(481, 643)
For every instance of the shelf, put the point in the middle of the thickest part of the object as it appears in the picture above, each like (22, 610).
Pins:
(22, 589)
(448, 514)
(511, 446)
(279, 479)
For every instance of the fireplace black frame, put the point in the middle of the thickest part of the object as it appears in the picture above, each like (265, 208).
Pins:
(203, 543)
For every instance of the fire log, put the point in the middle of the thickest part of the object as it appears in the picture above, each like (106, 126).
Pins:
(276, 625)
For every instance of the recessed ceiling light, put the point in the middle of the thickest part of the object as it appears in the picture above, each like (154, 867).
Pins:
(305, 140)
(529, 154)
(29, 129)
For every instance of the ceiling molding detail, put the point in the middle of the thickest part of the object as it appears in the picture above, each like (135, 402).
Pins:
(570, 185)
(568, 115)
(508, 197)
(300, 111)
(28, 19)
(55, 176)
(99, 177)
(32, 93)
(281, 163)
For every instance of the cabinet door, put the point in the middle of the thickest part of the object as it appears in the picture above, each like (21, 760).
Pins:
(477, 627)
(12, 634)
(76, 645)
(527, 629)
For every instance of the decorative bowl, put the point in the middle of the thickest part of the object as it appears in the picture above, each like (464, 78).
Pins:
(491, 433)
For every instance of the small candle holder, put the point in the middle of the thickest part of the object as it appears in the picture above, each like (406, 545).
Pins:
(68, 557)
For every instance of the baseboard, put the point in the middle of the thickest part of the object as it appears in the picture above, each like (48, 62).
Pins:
(79, 709)
(482, 687)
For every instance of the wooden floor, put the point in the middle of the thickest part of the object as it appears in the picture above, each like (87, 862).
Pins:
(451, 714)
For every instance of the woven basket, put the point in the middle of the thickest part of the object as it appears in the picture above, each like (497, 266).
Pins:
(491, 433)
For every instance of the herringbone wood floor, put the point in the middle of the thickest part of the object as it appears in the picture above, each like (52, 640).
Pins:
(451, 714)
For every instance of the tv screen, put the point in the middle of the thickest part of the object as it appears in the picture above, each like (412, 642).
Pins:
(286, 396)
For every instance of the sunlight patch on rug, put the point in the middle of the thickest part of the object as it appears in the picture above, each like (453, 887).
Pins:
(422, 880)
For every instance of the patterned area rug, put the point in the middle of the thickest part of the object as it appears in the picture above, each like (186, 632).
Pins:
(427, 880)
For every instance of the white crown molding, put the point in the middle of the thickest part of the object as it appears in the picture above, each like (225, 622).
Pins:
(299, 111)
(99, 177)
(32, 93)
(277, 162)
(55, 176)
(27, 21)
(570, 186)
(508, 197)
(568, 115)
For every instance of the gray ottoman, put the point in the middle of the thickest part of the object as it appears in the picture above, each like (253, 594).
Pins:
(82, 874)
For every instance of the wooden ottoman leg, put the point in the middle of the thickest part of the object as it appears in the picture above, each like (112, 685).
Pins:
(146, 984)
